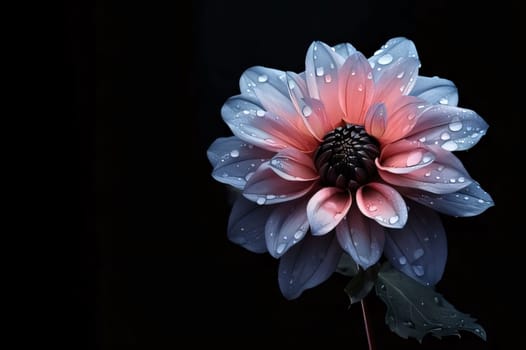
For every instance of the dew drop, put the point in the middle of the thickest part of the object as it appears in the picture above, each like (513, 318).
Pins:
(461, 179)
(261, 200)
(319, 71)
(427, 174)
(436, 300)
(353, 73)
(414, 158)
(400, 75)
(298, 234)
(249, 175)
(418, 253)
(382, 287)
(328, 78)
(262, 78)
(307, 111)
(260, 113)
(455, 126)
(270, 196)
(427, 158)
(280, 248)
(443, 101)
(360, 87)
(292, 85)
(369, 75)
(481, 201)
(445, 136)
(452, 180)
(394, 219)
(372, 207)
(450, 146)
(385, 59)
(419, 270)
(402, 260)
(422, 139)
(234, 153)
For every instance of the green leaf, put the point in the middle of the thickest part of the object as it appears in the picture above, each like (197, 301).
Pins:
(361, 284)
(414, 310)
(347, 266)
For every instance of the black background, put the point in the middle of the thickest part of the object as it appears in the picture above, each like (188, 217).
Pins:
(163, 269)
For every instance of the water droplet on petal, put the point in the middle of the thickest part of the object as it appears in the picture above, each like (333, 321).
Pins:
(260, 113)
(372, 207)
(427, 174)
(292, 85)
(385, 59)
(249, 175)
(353, 73)
(307, 111)
(414, 158)
(436, 300)
(280, 248)
(400, 75)
(418, 253)
(445, 136)
(261, 200)
(394, 219)
(461, 179)
(427, 158)
(262, 78)
(452, 180)
(443, 101)
(234, 153)
(328, 78)
(299, 234)
(456, 126)
(369, 75)
(422, 139)
(402, 260)
(360, 87)
(319, 71)
(270, 196)
(450, 146)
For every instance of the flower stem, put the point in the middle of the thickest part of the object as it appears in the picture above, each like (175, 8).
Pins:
(367, 325)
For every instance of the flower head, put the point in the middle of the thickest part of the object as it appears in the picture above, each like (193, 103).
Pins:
(352, 156)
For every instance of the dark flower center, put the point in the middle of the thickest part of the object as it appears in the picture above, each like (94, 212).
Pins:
(346, 156)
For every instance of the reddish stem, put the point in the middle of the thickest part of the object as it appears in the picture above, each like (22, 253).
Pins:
(367, 325)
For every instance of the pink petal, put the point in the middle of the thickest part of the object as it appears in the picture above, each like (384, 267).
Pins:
(395, 81)
(321, 71)
(286, 226)
(327, 208)
(402, 117)
(311, 110)
(452, 128)
(266, 187)
(249, 121)
(445, 175)
(294, 165)
(375, 120)
(361, 237)
(383, 204)
(356, 88)
(404, 156)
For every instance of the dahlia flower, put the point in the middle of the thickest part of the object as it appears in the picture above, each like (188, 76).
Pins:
(352, 156)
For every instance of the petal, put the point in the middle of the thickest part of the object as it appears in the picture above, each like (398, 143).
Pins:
(356, 88)
(361, 237)
(307, 264)
(266, 187)
(257, 75)
(383, 204)
(375, 120)
(435, 90)
(344, 50)
(404, 156)
(321, 72)
(294, 165)
(311, 110)
(445, 175)
(396, 80)
(469, 201)
(391, 51)
(402, 116)
(246, 225)
(453, 128)
(286, 226)
(234, 160)
(249, 121)
(420, 248)
(327, 208)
